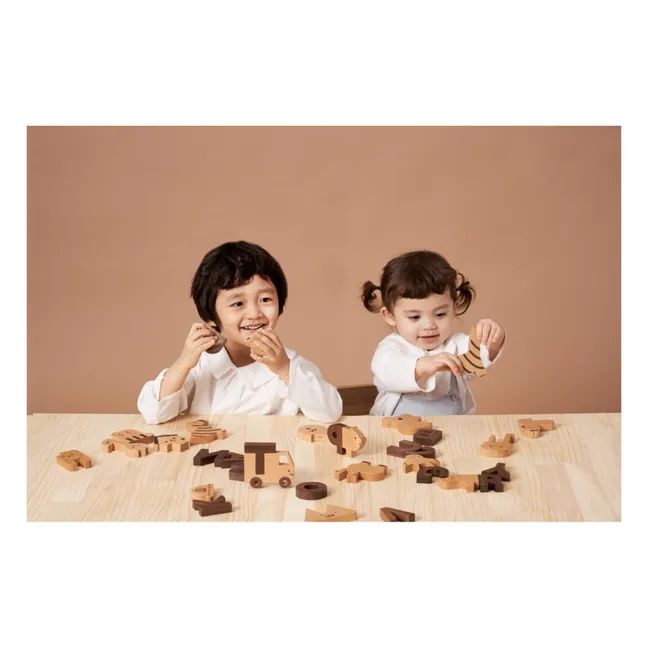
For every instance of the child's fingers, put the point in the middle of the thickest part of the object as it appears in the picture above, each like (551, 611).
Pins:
(270, 338)
(254, 356)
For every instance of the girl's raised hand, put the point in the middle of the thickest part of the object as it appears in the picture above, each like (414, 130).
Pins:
(492, 335)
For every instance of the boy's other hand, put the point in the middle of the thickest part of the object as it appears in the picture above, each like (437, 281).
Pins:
(201, 337)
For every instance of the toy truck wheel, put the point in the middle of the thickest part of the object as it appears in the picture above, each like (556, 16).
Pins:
(285, 482)
(256, 482)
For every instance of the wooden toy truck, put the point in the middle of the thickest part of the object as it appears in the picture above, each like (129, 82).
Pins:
(263, 464)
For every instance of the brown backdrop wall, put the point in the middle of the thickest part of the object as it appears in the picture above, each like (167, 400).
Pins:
(119, 218)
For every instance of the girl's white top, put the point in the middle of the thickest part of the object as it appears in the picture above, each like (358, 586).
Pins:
(216, 386)
(393, 366)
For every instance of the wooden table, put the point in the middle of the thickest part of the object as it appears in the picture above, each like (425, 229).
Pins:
(571, 473)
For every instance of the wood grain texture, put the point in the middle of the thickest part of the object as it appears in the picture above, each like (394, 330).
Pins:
(569, 474)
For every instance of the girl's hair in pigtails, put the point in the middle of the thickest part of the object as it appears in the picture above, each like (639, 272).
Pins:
(369, 297)
(465, 294)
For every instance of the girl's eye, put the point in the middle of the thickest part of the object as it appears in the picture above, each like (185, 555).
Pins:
(441, 314)
(238, 304)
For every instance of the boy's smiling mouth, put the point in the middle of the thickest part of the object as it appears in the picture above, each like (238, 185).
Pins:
(254, 327)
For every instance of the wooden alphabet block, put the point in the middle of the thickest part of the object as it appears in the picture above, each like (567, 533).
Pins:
(427, 436)
(226, 459)
(425, 474)
(204, 493)
(217, 507)
(405, 448)
(73, 460)
(490, 482)
(500, 470)
(388, 514)
(493, 448)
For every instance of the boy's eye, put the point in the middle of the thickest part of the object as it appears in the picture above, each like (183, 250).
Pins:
(413, 317)
(267, 299)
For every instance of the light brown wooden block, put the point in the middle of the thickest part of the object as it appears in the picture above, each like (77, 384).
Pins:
(469, 483)
(353, 473)
(471, 360)
(493, 448)
(388, 514)
(346, 438)
(534, 428)
(413, 462)
(204, 493)
(132, 450)
(201, 431)
(172, 444)
(131, 436)
(312, 434)
(332, 514)
(405, 424)
(73, 460)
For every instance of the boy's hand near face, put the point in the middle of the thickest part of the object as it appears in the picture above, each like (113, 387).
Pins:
(268, 349)
(492, 335)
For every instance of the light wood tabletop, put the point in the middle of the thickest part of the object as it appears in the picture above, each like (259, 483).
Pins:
(572, 473)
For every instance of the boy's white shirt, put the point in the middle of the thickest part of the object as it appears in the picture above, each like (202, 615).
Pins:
(393, 366)
(217, 386)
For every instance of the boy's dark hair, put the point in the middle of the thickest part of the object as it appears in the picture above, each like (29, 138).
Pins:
(416, 275)
(231, 265)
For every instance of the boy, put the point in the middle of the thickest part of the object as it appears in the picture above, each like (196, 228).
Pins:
(239, 289)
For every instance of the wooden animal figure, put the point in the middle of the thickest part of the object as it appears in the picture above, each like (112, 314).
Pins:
(203, 431)
(132, 436)
(332, 514)
(171, 444)
(132, 450)
(493, 448)
(413, 462)
(348, 440)
(362, 470)
(471, 360)
(73, 460)
(313, 434)
(405, 423)
(469, 483)
(533, 429)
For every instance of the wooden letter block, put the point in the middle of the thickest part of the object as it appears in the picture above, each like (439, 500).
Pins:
(204, 493)
(427, 436)
(405, 448)
(388, 514)
(490, 483)
(218, 506)
(332, 514)
(493, 448)
(73, 460)
(426, 473)
(226, 459)
(311, 490)
(500, 470)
